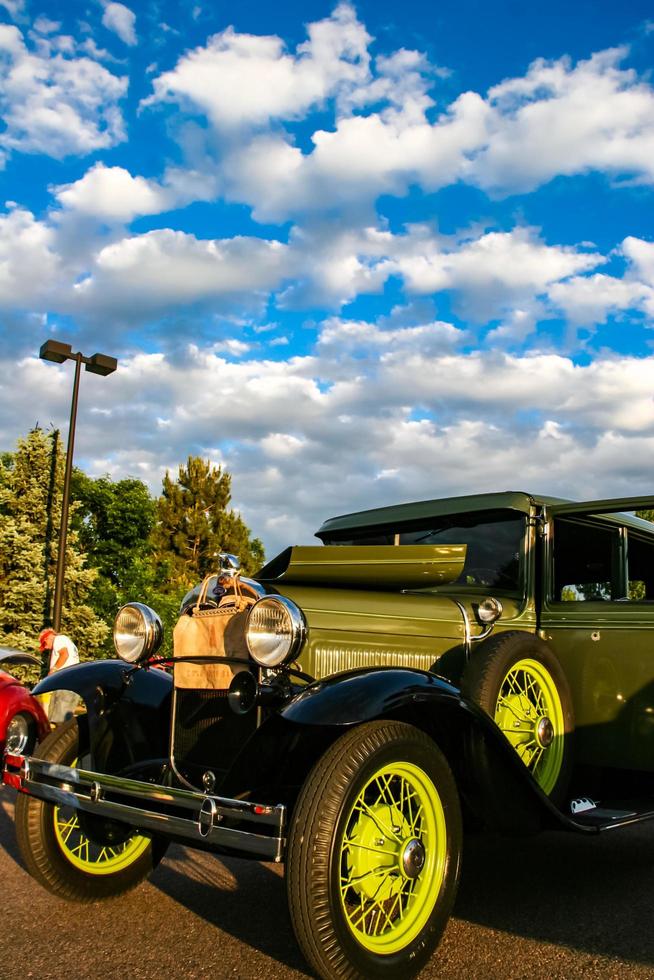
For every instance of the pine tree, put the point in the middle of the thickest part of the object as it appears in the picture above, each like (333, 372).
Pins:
(193, 524)
(31, 481)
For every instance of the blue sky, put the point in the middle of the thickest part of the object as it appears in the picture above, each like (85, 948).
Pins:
(354, 253)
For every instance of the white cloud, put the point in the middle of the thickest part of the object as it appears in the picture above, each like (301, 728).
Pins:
(245, 79)
(121, 20)
(43, 25)
(490, 269)
(565, 119)
(590, 299)
(113, 194)
(55, 104)
(147, 274)
(641, 256)
(29, 264)
(13, 7)
(557, 119)
(421, 425)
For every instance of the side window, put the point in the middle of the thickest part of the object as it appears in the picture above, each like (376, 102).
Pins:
(585, 557)
(640, 557)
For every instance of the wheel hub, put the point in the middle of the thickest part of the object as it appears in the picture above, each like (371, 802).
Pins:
(544, 732)
(375, 854)
(413, 858)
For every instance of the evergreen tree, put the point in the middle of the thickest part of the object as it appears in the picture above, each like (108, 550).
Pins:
(194, 523)
(31, 481)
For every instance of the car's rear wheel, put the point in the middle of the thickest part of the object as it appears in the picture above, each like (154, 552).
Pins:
(374, 854)
(518, 681)
(75, 856)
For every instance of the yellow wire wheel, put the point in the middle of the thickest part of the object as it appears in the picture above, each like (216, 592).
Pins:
(63, 851)
(88, 856)
(392, 855)
(374, 850)
(516, 678)
(530, 713)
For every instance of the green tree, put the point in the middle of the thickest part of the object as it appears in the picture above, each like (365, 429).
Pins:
(114, 520)
(31, 481)
(194, 523)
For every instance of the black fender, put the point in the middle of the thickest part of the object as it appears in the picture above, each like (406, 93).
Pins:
(127, 719)
(279, 756)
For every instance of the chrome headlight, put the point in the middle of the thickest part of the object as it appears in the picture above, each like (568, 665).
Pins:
(18, 735)
(137, 632)
(275, 631)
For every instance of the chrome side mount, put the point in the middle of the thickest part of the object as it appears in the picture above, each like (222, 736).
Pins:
(488, 612)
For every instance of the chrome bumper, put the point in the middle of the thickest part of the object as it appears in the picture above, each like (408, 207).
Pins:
(239, 825)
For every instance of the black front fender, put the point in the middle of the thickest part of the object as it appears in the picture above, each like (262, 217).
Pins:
(127, 720)
(363, 695)
(289, 743)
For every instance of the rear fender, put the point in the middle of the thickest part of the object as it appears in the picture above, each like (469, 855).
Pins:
(279, 756)
(127, 720)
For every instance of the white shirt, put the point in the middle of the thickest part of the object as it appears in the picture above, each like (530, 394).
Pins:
(63, 641)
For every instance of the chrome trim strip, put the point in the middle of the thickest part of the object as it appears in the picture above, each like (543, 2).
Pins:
(105, 795)
(467, 633)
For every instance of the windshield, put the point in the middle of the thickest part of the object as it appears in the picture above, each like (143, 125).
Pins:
(493, 539)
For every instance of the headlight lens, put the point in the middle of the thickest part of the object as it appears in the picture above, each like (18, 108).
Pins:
(18, 735)
(275, 631)
(137, 632)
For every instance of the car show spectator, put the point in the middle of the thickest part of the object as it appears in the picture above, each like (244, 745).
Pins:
(58, 651)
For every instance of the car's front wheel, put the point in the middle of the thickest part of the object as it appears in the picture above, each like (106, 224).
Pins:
(374, 854)
(77, 857)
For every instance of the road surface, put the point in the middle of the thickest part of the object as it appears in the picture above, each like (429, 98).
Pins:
(553, 906)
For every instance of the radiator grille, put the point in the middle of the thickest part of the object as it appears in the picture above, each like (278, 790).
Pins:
(206, 733)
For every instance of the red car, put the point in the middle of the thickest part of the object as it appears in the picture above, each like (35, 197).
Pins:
(23, 722)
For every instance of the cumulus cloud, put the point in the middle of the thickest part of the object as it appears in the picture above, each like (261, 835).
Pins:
(422, 424)
(29, 263)
(145, 275)
(121, 20)
(113, 194)
(562, 118)
(588, 300)
(54, 102)
(558, 119)
(245, 79)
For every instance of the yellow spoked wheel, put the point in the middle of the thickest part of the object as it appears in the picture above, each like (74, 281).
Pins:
(516, 678)
(83, 853)
(393, 854)
(374, 851)
(77, 856)
(530, 713)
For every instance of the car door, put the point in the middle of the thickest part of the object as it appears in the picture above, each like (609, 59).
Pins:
(598, 615)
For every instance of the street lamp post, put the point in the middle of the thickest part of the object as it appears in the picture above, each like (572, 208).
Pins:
(54, 350)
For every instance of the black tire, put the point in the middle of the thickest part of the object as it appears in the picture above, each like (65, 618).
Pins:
(486, 681)
(331, 805)
(53, 843)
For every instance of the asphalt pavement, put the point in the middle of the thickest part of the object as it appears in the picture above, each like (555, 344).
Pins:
(553, 906)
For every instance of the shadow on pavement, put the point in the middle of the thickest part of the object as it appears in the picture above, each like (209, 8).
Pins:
(7, 829)
(244, 898)
(589, 894)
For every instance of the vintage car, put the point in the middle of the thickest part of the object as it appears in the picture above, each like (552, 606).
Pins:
(481, 660)
(23, 721)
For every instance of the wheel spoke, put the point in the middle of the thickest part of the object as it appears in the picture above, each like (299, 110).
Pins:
(365, 847)
(388, 831)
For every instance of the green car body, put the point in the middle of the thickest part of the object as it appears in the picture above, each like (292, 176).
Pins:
(604, 644)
